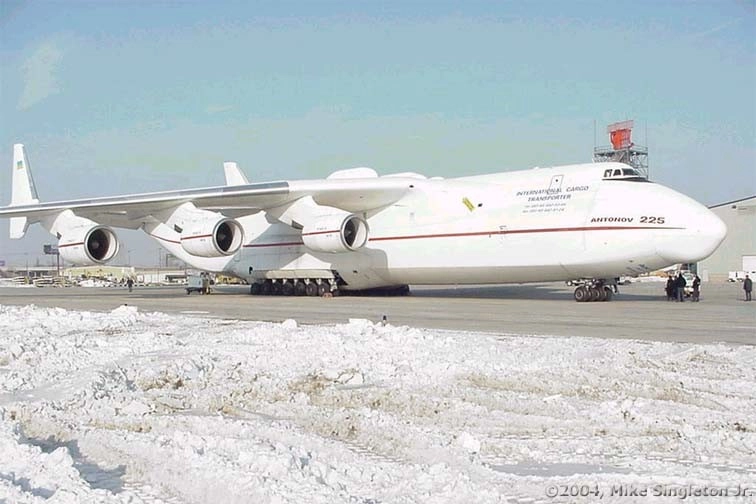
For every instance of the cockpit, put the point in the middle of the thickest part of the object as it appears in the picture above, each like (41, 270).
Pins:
(625, 173)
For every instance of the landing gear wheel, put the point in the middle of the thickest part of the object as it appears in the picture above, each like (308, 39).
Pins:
(287, 289)
(277, 288)
(581, 294)
(602, 293)
(267, 288)
(594, 294)
(311, 289)
(255, 289)
(299, 288)
(323, 288)
(609, 294)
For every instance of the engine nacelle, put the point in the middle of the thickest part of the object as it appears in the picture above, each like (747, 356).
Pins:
(85, 245)
(336, 233)
(213, 238)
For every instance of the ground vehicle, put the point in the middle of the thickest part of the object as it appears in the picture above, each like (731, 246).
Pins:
(198, 283)
(689, 278)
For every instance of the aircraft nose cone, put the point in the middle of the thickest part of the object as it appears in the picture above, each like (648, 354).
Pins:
(703, 233)
(713, 230)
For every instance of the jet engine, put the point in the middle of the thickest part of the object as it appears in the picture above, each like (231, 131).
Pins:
(212, 238)
(335, 233)
(85, 246)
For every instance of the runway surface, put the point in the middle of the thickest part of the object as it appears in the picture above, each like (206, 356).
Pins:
(639, 312)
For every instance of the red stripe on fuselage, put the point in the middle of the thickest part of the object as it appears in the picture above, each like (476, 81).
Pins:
(518, 231)
(477, 233)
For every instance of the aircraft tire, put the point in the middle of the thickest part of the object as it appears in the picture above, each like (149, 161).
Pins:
(323, 287)
(311, 289)
(276, 288)
(255, 289)
(300, 289)
(602, 293)
(267, 288)
(609, 294)
(581, 294)
(594, 295)
(287, 288)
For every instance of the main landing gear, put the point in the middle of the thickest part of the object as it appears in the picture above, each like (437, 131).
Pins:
(595, 290)
(299, 287)
(319, 287)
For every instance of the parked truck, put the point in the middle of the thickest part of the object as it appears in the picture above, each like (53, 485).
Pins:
(198, 283)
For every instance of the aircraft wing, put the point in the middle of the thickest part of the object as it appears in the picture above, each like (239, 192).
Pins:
(130, 211)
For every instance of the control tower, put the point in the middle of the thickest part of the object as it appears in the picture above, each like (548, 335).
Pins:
(623, 149)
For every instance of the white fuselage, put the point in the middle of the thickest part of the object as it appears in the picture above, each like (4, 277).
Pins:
(538, 225)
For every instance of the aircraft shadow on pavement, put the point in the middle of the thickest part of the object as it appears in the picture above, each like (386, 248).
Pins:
(529, 291)
(544, 292)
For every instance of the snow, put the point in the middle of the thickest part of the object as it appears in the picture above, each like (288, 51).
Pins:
(138, 407)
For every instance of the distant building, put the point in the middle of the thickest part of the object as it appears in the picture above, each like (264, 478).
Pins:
(738, 250)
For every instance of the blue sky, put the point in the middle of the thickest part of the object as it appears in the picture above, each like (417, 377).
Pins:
(118, 97)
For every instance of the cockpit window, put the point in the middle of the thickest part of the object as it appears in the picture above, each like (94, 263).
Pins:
(624, 174)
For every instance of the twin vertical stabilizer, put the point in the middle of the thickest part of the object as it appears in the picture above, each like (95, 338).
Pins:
(23, 191)
(234, 175)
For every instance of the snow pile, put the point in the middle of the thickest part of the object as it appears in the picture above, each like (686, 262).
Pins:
(144, 407)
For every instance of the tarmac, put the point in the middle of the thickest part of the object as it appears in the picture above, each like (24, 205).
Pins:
(640, 311)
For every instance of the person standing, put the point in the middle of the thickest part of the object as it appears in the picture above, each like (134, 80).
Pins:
(130, 284)
(680, 287)
(696, 288)
(747, 287)
(670, 288)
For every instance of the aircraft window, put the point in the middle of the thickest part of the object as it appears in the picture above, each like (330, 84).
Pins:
(627, 174)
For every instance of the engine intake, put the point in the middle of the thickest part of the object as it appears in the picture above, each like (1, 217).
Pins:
(88, 245)
(222, 237)
(336, 233)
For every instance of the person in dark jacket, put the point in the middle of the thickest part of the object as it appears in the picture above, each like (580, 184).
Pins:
(680, 287)
(747, 287)
(670, 288)
(696, 288)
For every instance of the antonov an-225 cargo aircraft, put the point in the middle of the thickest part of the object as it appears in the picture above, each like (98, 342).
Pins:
(356, 230)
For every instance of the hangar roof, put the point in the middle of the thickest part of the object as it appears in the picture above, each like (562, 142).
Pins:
(749, 201)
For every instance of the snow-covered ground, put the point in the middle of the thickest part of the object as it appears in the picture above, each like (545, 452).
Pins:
(145, 407)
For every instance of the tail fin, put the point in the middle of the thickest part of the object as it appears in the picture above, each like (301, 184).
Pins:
(23, 191)
(234, 175)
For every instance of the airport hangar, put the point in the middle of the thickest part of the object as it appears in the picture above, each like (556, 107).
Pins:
(738, 250)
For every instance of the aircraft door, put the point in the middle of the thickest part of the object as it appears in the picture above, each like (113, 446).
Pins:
(556, 184)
